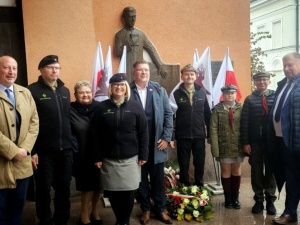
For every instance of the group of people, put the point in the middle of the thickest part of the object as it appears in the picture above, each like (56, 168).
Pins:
(265, 128)
(120, 145)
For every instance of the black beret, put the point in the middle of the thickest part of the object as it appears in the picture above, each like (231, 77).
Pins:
(229, 88)
(118, 77)
(49, 59)
(261, 74)
(188, 67)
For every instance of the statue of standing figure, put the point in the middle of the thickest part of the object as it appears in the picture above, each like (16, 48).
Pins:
(136, 41)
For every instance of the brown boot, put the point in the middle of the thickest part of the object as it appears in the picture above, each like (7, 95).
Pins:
(145, 217)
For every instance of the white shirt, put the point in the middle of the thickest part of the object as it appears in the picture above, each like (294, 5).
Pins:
(143, 94)
(277, 125)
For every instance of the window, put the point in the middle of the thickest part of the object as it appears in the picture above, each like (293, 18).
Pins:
(276, 34)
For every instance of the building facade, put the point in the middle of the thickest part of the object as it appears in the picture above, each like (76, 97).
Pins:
(281, 20)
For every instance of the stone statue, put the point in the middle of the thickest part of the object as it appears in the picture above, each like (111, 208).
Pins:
(136, 41)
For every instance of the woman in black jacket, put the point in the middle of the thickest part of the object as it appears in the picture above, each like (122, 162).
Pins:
(87, 175)
(121, 146)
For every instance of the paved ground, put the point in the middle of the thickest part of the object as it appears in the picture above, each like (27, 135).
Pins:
(222, 216)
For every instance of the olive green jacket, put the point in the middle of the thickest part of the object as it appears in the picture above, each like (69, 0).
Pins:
(225, 140)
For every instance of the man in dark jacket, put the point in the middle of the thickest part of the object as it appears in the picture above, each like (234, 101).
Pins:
(254, 122)
(191, 126)
(154, 100)
(52, 154)
(284, 135)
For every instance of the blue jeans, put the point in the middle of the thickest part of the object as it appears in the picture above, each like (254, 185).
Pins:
(12, 203)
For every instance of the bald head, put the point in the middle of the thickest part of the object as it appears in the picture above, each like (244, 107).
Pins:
(8, 70)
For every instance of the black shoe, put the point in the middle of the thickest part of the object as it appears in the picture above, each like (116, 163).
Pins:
(258, 207)
(271, 210)
(235, 200)
(81, 223)
(94, 221)
(228, 201)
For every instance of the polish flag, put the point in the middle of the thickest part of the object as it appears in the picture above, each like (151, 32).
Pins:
(101, 92)
(225, 76)
(204, 74)
(98, 68)
(122, 66)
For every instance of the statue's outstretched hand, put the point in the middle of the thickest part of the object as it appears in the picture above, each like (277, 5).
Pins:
(163, 71)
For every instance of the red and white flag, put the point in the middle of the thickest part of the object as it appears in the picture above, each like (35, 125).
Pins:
(204, 74)
(122, 66)
(98, 68)
(101, 92)
(225, 76)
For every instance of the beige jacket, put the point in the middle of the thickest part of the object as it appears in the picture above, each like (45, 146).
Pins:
(10, 170)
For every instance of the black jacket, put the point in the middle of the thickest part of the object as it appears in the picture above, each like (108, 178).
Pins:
(192, 119)
(120, 132)
(54, 115)
(253, 123)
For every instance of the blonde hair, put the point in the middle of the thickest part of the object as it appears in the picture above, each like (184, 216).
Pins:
(85, 83)
(127, 93)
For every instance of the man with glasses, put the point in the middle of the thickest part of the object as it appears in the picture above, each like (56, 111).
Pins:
(154, 100)
(52, 154)
(254, 122)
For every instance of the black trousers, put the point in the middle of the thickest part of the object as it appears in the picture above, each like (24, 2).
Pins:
(122, 204)
(54, 170)
(184, 148)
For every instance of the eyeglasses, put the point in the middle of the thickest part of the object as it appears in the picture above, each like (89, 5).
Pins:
(83, 92)
(262, 80)
(118, 85)
(53, 67)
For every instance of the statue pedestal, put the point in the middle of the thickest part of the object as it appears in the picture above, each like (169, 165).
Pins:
(215, 188)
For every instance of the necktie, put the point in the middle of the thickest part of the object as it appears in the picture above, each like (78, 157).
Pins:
(10, 96)
(191, 93)
(281, 100)
(230, 117)
(265, 109)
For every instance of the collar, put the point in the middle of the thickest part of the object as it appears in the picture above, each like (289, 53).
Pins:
(3, 88)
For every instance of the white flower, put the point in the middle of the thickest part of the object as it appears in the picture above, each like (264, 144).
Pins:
(196, 213)
(186, 201)
(177, 177)
(194, 189)
(195, 203)
(175, 193)
(185, 188)
(180, 211)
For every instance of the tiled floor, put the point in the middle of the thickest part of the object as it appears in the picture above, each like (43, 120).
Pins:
(221, 215)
